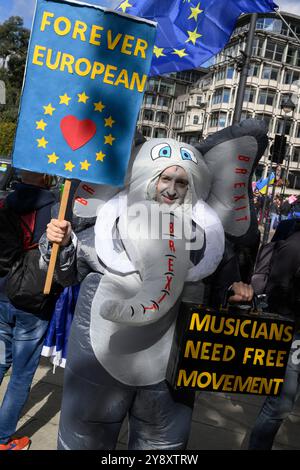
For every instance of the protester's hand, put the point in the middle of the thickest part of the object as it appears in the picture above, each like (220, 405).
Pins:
(242, 292)
(59, 231)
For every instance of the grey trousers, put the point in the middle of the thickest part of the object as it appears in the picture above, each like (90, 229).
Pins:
(92, 416)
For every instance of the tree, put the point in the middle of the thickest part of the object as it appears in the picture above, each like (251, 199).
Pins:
(7, 134)
(13, 50)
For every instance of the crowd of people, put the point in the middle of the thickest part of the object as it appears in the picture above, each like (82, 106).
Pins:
(279, 208)
(105, 378)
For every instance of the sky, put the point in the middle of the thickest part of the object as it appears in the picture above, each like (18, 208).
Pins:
(25, 8)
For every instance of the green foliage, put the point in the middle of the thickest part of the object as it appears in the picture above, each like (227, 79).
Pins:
(13, 51)
(7, 135)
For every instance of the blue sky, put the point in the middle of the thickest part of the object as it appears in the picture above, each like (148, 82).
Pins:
(25, 8)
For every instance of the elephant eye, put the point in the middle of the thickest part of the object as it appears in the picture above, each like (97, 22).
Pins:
(161, 150)
(187, 154)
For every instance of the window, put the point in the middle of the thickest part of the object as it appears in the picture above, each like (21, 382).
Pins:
(214, 119)
(281, 123)
(163, 101)
(267, 118)
(217, 96)
(162, 117)
(298, 132)
(266, 97)
(253, 70)
(290, 76)
(270, 73)
(148, 115)
(294, 181)
(218, 119)
(249, 95)
(257, 46)
(279, 52)
(291, 55)
(226, 95)
(150, 99)
(199, 100)
(246, 115)
(166, 88)
(178, 122)
(221, 95)
(159, 133)
(230, 72)
(222, 119)
(274, 51)
(296, 155)
(146, 131)
(220, 75)
(269, 24)
(196, 119)
(152, 85)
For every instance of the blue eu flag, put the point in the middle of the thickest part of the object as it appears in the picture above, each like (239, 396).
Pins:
(191, 31)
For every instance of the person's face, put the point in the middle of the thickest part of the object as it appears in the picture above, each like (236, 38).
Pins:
(172, 186)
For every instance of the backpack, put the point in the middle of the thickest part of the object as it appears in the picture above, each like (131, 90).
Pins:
(11, 240)
(25, 285)
(19, 262)
(262, 269)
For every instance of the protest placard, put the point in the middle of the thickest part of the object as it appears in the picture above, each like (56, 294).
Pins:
(85, 77)
(229, 351)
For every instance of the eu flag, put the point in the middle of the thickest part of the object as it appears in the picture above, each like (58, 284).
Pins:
(262, 184)
(191, 31)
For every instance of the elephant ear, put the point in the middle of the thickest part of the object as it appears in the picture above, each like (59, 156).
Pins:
(89, 198)
(232, 156)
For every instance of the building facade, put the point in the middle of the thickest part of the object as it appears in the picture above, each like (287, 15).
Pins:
(273, 77)
(157, 111)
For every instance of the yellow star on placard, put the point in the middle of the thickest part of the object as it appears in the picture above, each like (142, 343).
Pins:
(69, 166)
(158, 51)
(109, 122)
(109, 139)
(180, 52)
(42, 142)
(41, 124)
(64, 99)
(124, 6)
(52, 158)
(82, 97)
(85, 165)
(195, 12)
(99, 106)
(193, 36)
(100, 156)
(49, 109)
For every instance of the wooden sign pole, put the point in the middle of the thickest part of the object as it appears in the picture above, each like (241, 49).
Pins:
(55, 246)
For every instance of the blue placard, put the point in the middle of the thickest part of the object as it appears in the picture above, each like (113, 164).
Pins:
(85, 76)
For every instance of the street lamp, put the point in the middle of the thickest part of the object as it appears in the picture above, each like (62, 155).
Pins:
(287, 107)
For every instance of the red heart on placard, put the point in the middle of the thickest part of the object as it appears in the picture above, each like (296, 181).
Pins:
(77, 133)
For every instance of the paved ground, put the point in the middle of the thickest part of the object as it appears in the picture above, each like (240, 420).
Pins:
(220, 421)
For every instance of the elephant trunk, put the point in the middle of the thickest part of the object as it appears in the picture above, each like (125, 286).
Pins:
(155, 239)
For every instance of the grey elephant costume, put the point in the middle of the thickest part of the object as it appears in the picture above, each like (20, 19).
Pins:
(133, 275)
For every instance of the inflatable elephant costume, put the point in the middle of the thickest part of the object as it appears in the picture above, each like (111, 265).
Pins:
(133, 267)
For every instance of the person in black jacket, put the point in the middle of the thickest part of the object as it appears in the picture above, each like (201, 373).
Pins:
(283, 290)
(21, 332)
